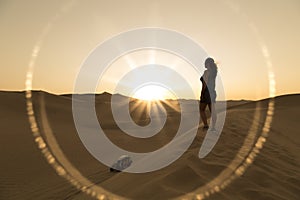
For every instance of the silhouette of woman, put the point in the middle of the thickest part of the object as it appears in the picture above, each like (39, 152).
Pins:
(208, 92)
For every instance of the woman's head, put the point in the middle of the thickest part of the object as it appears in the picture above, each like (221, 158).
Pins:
(211, 65)
(209, 62)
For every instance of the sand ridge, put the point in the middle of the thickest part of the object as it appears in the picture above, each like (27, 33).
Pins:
(25, 174)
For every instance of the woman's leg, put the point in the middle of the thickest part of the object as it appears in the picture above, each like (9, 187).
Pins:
(212, 110)
(202, 113)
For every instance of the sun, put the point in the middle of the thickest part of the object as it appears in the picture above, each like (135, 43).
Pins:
(152, 93)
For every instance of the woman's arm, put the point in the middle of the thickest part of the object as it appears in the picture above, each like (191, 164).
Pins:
(205, 79)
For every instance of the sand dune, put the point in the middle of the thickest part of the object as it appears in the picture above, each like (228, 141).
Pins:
(25, 174)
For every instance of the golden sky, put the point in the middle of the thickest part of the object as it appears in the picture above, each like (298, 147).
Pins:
(242, 36)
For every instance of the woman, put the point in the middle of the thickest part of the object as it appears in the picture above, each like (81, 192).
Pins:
(208, 93)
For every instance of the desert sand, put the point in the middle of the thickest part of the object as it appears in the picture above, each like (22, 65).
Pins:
(25, 173)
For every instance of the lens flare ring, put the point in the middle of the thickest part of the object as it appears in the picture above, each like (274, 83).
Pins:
(46, 142)
(91, 72)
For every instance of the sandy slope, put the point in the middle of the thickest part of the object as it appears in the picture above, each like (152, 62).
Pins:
(24, 173)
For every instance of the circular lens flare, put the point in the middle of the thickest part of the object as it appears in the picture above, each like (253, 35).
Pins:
(95, 191)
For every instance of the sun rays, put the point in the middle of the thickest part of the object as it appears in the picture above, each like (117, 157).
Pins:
(144, 109)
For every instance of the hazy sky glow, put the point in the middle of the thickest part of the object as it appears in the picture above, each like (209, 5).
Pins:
(231, 31)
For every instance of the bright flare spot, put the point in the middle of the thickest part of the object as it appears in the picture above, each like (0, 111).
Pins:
(152, 93)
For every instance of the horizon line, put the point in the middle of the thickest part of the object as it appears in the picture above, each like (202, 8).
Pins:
(100, 93)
